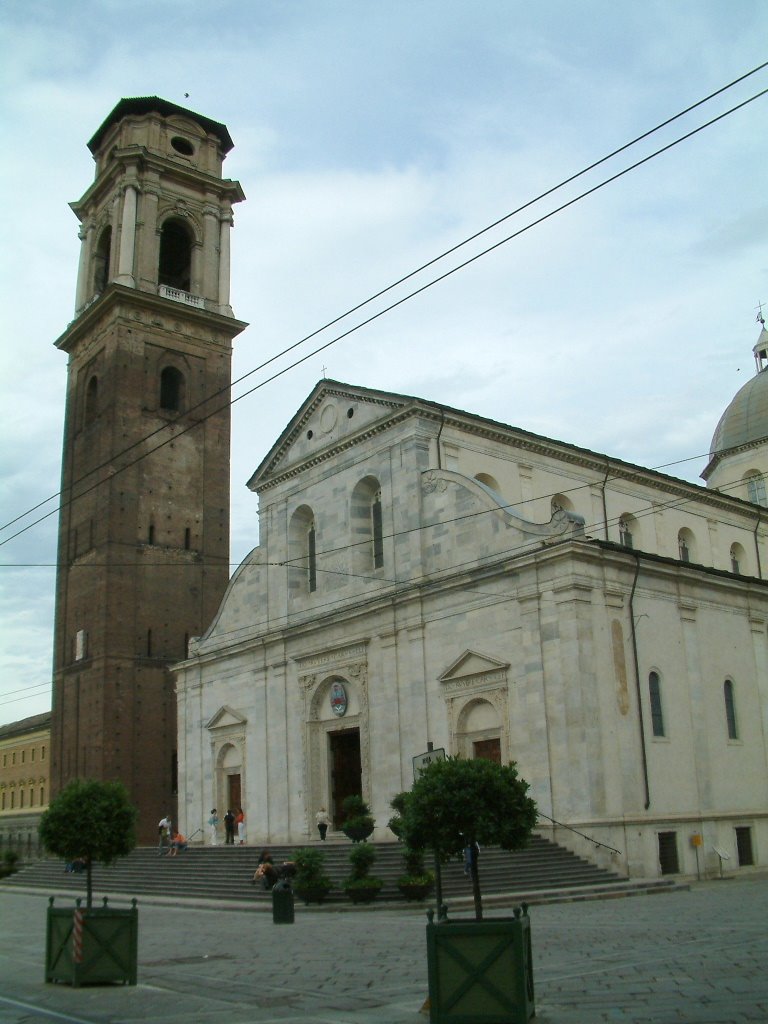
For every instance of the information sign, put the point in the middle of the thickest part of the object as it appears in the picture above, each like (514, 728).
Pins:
(422, 761)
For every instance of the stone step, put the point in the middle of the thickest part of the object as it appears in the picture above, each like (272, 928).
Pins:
(224, 873)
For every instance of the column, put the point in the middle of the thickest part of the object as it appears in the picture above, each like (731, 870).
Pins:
(127, 239)
(226, 223)
(85, 235)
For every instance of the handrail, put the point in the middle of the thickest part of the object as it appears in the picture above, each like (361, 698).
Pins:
(582, 834)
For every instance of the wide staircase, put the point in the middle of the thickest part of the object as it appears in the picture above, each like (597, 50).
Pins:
(543, 872)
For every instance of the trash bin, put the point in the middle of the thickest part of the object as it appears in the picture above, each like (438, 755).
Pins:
(282, 902)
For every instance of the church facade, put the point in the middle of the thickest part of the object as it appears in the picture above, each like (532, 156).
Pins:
(429, 576)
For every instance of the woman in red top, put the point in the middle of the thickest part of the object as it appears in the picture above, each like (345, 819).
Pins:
(240, 822)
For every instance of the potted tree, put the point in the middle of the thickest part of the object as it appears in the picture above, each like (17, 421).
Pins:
(309, 881)
(361, 886)
(358, 823)
(417, 883)
(90, 822)
(478, 969)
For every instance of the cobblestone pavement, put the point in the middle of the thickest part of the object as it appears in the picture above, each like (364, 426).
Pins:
(699, 957)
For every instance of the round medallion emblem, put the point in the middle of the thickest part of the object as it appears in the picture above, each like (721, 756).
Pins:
(338, 699)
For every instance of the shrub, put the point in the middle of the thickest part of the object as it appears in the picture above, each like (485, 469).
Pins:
(358, 822)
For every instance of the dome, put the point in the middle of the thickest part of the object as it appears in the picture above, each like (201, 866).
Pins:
(746, 418)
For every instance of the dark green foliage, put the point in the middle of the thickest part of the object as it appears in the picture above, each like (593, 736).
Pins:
(358, 822)
(9, 862)
(361, 858)
(456, 803)
(92, 820)
(309, 870)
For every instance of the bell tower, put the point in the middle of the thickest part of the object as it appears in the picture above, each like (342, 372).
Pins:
(144, 524)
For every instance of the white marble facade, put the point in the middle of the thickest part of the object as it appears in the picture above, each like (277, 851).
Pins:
(485, 589)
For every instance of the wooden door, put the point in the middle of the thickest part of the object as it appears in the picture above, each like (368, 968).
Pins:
(489, 750)
(346, 771)
(234, 794)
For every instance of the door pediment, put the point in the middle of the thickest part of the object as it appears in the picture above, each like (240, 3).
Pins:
(225, 718)
(471, 664)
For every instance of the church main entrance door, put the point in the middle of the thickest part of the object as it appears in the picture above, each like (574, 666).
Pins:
(489, 750)
(346, 772)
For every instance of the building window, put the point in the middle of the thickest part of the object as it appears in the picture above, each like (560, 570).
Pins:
(33, 753)
(42, 753)
(730, 710)
(13, 757)
(377, 532)
(311, 558)
(625, 533)
(101, 260)
(738, 563)
(171, 389)
(42, 795)
(23, 756)
(151, 534)
(668, 861)
(81, 645)
(2, 801)
(686, 545)
(13, 799)
(756, 489)
(744, 847)
(92, 399)
(175, 266)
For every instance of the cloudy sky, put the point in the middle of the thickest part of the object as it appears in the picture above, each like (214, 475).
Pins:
(369, 138)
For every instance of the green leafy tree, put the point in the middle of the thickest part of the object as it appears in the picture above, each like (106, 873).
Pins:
(457, 805)
(95, 821)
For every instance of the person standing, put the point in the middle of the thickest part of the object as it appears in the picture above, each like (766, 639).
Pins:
(240, 822)
(213, 821)
(163, 834)
(322, 823)
(229, 828)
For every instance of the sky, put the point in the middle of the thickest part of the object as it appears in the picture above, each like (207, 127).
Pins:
(370, 138)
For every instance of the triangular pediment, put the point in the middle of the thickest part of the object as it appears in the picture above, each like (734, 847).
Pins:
(226, 717)
(470, 663)
(334, 416)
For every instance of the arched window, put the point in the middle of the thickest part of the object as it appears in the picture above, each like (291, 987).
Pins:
(367, 526)
(730, 710)
(376, 530)
(738, 558)
(92, 399)
(172, 389)
(627, 531)
(756, 488)
(101, 261)
(560, 502)
(657, 715)
(488, 480)
(311, 558)
(175, 267)
(686, 545)
(302, 552)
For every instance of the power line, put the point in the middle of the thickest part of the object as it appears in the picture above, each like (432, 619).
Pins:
(389, 308)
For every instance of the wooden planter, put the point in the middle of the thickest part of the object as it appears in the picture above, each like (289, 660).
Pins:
(480, 971)
(92, 946)
(363, 894)
(415, 891)
(311, 893)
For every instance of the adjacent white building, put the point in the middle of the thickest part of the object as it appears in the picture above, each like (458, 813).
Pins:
(426, 575)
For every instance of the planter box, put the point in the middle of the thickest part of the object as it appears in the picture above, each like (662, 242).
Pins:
(91, 946)
(480, 972)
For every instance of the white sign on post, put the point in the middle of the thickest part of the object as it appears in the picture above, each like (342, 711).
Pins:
(422, 761)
